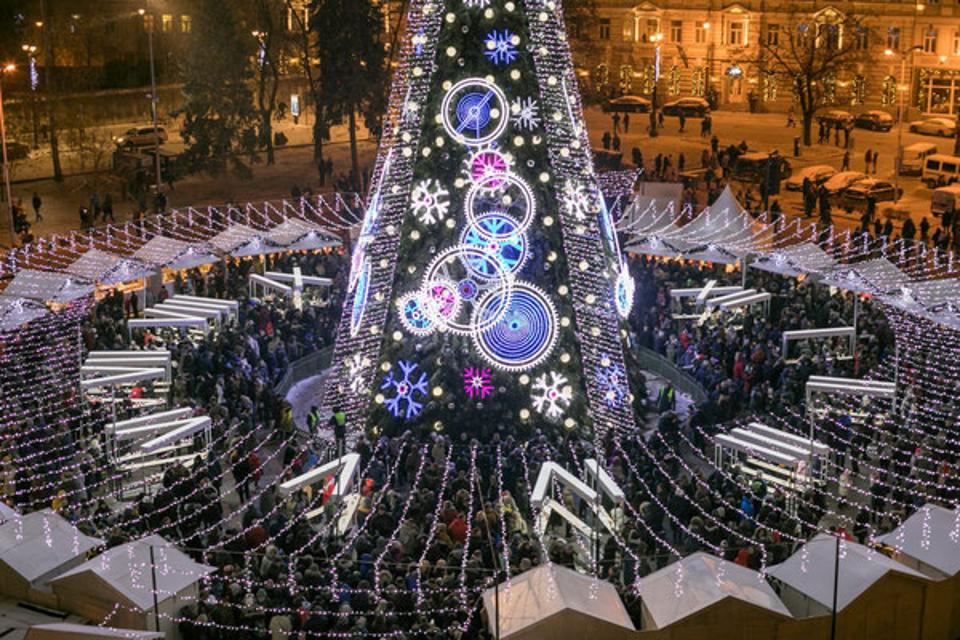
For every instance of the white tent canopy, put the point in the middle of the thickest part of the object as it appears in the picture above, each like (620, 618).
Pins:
(7, 513)
(18, 311)
(545, 591)
(234, 237)
(108, 269)
(705, 581)
(39, 544)
(71, 631)
(929, 536)
(47, 286)
(804, 258)
(169, 253)
(810, 570)
(870, 276)
(300, 234)
(175, 571)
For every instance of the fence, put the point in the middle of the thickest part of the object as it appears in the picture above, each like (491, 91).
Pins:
(302, 369)
(681, 380)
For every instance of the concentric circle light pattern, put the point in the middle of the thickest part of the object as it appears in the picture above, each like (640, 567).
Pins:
(524, 336)
(475, 111)
(497, 235)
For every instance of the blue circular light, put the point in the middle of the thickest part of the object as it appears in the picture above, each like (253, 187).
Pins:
(415, 315)
(526, 334)
(473, 112)
(468, 289)
(496, 235)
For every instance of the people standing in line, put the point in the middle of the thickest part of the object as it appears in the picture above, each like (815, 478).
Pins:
(37, 203)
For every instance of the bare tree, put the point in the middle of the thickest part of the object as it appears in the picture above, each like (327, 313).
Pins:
(813, 53)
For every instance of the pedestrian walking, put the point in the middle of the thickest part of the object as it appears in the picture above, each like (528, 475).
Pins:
(846, 161)
(108, 208)
(37, 203)
(616, 123)
(867, 159)
(876, 155)
(95, 206)
(338, 424)
(616, 142)
(626, 123)
(683, 122)
(606, 140)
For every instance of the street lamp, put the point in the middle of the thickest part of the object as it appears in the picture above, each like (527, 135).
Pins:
(7, 68)
(153, 100)
(656, 39)
(900, 112)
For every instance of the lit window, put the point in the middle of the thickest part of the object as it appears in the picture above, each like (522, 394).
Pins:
(773, 34)
(676, 31)
(166, 23)
(604, 28)
(186, 24)
(737, 34)
(956, 42)
(700, 33)
(893, 38)
(627, 31)
(148, 22)
(930, 41)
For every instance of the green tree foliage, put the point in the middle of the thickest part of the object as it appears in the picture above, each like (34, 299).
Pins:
(220, 120)
(352, 64)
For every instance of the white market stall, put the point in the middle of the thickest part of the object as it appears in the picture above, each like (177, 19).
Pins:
(107, 269)
(168, 253)
(116, 585)
(234, 237)
(711, 588)
(796, 260)
(551, 601)
(35, 548)
(47, 286)
(16, 312)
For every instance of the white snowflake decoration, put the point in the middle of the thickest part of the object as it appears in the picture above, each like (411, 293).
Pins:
(430, 201)
(578, 200)
(525, 113)
(501, 47)
(356, 365)
(551, 395)
(480, 4)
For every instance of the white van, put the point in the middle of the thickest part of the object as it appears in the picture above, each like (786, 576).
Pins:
(945, 199)
(940, 169)
(914, 157)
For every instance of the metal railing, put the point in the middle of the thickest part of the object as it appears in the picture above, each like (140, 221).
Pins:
(302, 369)
(681, 380)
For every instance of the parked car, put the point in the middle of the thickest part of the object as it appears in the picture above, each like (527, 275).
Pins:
(937, 126)
(914, 157)
(857, 194)
(945, 200)
(141, 137)
(940, 169)
(753, 166)
(689, 107)
(628, 104)
(875, 120)
(817, 173)
(835, 117)
(841, 181)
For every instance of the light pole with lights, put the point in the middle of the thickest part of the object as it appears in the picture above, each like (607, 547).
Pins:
(7, 68)
(900, 112)
(153, 100)
(656, 38)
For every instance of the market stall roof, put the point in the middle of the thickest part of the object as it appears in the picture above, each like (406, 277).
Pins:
(811, 570)
(15, 312)
(47, 286)
(930, 536)
(724, 232)
(927, 297)
(300, 234)
(169, 253)
(108, 269)
(71, 631)
(113, 569)
(537, 597)
(795, 260)
(7, 513)
(41, 542)
(234, 237)
(705, 581)
(870, 276)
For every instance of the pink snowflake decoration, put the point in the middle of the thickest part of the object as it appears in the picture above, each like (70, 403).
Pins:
(477, 383)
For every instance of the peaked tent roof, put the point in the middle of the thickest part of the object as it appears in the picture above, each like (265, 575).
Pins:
(161, 251)
(724, 228)
(797, 259)
(300, 234)
(41, 542)
(931, 536)
(705, 580)
(234, 237)
(870, 276)
(47, 286)
(175, 570)
(7, 513)
(810, 570)
(547, 590)
(108, 269)
(18, 311)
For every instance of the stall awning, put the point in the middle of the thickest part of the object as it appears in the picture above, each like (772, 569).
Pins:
(169, 253)
(300, 234)
(108, 269)
(234, 237)
(15, 312)
(870, 276)
(795, 260)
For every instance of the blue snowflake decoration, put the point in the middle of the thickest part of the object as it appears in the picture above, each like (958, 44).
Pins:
(501, 47)
(497, 237)
(406, 387)
(612, 380)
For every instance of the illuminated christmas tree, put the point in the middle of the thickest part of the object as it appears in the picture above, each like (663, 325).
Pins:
(487, 288)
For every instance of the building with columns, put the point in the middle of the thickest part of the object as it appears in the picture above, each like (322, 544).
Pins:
(704, 47)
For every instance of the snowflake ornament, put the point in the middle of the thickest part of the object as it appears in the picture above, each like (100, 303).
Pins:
(430, 201)
(551, 395)
(477, 383)
(578, 200)
(477, 4)
(612, 380)
(525, 114)
(406, 387)
(356, 365)
(501, 47)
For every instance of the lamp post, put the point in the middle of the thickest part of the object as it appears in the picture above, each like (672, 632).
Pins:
(656, 39)
(8, 195)
(31, 51)
(900, 113)
(153, 100)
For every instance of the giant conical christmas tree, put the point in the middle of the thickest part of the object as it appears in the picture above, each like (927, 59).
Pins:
(486, 287)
